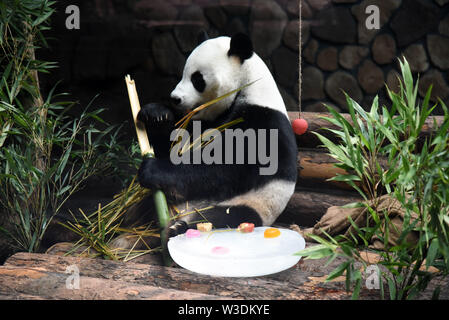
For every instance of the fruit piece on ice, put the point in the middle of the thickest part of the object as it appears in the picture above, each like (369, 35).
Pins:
(220, 250)
(193, 233)
(204, 227)
(246, 227)
(271, 233)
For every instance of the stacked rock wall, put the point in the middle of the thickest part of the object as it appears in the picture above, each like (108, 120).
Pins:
(151, 39)
(341, 53)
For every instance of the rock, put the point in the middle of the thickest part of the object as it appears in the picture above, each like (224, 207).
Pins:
(370, 77)
(415, 19)
(367, 101)
(312, 84)
(305, 36)
(291, 34)
(217, 17)
(440, 88)
(293, 8)
(319, 4)
(290, 103)
(167, 55)
(444, 26)
(386, 9)
(307, 12)
(182, 2)
(267, 23)
(384, 49)
(340, 82)
(417, 57)
(155, 11)
(236, 7)
(438, 47)
(335, 24)
(235, 26)
(327, 59)
(309, 53)
(191, 22)
(285, 63)
(267, 61)
(393, 82)
(350, 56)
(442, 2)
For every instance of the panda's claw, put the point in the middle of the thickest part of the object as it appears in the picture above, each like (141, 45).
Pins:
(156, 114)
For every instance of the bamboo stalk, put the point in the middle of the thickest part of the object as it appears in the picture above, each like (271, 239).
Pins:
(159, 198)
(142, 137)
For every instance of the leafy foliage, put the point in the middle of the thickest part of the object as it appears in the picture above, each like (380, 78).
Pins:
(383, 152)
(45, 155)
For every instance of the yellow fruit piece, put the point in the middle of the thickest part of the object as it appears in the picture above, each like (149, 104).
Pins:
(204, 227)
(271, 233)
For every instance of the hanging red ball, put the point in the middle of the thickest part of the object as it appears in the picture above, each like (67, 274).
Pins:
(299, 126)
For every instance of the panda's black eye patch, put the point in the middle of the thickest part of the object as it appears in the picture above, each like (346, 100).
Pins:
(198, 81)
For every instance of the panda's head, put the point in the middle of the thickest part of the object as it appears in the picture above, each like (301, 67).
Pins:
(213, 69)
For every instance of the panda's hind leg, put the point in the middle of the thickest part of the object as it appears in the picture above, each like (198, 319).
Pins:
(221, 216)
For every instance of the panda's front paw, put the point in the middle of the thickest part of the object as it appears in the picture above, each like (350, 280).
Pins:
(155, 114)
(149, 173)
(178, 227)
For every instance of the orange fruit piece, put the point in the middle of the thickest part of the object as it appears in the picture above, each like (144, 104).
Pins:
(271, 233)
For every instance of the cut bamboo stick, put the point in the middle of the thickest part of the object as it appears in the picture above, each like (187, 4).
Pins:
(142, 137)
(159, 198)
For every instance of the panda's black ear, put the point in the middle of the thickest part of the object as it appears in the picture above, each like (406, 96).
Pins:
(241, 46)
(202, 36)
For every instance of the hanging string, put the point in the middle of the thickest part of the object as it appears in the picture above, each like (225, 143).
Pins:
(300, 60)
(300, 125)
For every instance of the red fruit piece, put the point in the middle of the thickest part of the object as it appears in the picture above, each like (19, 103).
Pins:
(300, 126)
(246, 227)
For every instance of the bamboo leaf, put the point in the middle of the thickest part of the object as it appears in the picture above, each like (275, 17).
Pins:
(338, 271)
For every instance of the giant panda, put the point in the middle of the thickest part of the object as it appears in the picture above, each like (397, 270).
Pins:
(234, 192)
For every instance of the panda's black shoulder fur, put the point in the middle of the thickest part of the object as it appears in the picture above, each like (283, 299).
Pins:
(215, 181)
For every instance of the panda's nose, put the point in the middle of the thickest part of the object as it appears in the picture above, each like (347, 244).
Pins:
(175, 100)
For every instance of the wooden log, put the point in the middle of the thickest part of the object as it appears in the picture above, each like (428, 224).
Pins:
(315, 167)
(307, 206)
(41, 283)
(317, 124)
(44, 275)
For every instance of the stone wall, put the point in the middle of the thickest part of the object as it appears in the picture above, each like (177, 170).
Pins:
(151, 39)
(341, 53)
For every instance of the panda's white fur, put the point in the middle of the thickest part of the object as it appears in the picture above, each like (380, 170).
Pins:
(237, 193)
(268, 201)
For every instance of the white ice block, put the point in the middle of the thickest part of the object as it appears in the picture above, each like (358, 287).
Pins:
(234, 254)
